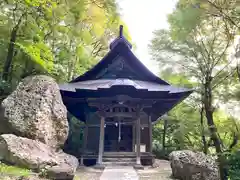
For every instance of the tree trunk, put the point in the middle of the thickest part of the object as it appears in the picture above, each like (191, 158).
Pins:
(8, 62)
(205, 146)
(217, 145)
(238, 71)
(10, 54)
(213, 130)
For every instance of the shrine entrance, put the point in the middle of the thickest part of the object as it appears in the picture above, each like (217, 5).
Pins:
(118, 137)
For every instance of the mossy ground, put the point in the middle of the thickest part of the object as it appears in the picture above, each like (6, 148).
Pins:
(13, 170)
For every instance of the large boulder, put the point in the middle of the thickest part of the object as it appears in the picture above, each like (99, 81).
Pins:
(188, 165)
(35, 155)
(35, 110)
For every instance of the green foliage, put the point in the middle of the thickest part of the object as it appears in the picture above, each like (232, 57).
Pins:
(76, 178)
(40, 54)
(161, 153)
(74, 142)
(184, 19)
(62, 39)
(191, 13)
(178, 78)
(4, 87)
(183, 129)
(13, 170)
(234, 166)
(195, 50)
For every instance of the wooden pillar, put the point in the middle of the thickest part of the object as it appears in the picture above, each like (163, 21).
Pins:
(150, 132)
(101, 141)
(133, 137)
(85, 136)
(138, 140)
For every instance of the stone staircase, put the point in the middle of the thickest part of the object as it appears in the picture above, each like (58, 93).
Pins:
(119, 158)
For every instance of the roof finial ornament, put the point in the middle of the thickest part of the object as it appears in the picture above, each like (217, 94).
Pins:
(121, 31)
(120, 40)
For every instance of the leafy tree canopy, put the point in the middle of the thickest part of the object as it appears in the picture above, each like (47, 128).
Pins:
(60, 38)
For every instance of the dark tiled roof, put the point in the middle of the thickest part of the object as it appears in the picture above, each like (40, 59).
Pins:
(121, 48)
(108, 83)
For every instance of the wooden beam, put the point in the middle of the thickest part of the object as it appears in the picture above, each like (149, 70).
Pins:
(116, 98)
(108, 105)
(107, 100)
(93, 125)
(144, 125)
(117, 114)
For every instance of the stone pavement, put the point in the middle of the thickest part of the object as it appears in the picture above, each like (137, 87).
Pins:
(119, 173)
(163, 172)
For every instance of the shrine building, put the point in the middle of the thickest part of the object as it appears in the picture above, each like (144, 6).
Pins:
(118, 100)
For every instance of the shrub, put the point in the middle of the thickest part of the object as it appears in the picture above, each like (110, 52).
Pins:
(4, 87)
(159, 152)
(73, 145)
(234, 165)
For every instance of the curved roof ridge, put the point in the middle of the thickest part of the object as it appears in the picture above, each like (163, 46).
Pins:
(121, 49)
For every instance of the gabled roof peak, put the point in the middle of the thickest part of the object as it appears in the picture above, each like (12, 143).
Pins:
(120, 39)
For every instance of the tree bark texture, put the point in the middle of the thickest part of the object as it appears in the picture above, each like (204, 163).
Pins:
(212, 128)
(205, 146)
(10, 54)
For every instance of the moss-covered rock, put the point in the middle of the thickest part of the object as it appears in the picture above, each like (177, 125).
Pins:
(35, 110)
(191, 165)
(35, 155)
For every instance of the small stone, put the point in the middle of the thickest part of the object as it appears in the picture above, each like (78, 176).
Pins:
(60, 172)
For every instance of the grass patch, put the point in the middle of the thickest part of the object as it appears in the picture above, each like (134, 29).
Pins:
(13, 170)
(76, 178)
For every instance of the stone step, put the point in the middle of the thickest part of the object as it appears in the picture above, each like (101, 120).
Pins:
(119, 155)
(114, 159)
(123, 153)
(119, 163)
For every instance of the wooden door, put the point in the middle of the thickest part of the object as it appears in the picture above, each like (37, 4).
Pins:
(111, 138)
(125, 144)
(112, 143)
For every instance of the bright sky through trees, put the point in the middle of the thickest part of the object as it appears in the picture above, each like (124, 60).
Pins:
(142, 18)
